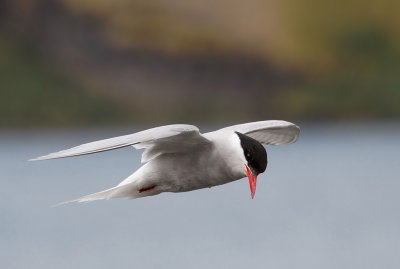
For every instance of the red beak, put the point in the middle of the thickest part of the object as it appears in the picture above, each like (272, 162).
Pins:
(252, 181)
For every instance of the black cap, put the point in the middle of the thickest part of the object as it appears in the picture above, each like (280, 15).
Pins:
(254, 152)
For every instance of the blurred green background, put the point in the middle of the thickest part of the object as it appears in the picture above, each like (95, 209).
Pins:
(97, 62)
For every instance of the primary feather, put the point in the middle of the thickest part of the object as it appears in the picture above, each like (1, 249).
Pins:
(270, 132)
(141, 139)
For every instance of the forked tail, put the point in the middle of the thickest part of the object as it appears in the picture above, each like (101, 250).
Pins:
(128, 191)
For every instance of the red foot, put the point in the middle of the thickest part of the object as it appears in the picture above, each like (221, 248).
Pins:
(147, 189)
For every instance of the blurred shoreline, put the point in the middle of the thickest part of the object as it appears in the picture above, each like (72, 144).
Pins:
(78, 63)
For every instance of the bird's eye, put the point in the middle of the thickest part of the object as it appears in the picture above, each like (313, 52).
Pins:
(248, 157)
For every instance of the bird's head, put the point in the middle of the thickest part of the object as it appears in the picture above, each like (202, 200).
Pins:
(255, 159)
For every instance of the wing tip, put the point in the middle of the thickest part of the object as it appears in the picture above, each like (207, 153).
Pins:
(64, 203)
(36, 159)
(297, 130)
(43, 158)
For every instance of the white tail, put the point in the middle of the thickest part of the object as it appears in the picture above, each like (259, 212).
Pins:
(127, 190)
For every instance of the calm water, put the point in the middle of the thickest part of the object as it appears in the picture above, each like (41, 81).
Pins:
(329, 201)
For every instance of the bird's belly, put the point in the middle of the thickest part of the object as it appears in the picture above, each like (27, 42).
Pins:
(206, 177)
(185, 173)
(195, 183)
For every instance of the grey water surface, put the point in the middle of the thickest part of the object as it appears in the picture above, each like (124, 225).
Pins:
(329, 201)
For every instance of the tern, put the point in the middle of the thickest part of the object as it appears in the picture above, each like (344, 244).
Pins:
(178, 158)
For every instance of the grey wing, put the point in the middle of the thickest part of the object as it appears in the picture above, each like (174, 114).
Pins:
(270, 132)
(155, 141)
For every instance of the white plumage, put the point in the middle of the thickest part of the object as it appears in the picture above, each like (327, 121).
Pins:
(179, 158)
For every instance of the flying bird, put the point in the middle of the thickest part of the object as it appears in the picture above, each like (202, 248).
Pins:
(178, 158)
